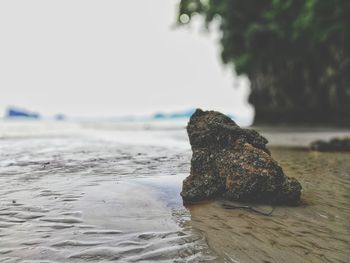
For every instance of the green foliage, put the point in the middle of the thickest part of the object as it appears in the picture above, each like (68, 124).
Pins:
(295, 52)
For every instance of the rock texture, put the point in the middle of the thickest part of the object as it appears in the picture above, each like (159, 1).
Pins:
(233, 163)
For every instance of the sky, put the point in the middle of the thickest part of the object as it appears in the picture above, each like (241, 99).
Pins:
(111, 58)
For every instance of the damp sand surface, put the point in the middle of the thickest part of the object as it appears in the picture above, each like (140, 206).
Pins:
(82, 197)
(76, 193)
(316, 231)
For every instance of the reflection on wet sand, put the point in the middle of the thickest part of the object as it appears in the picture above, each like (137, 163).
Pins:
(317, 231)
(76, 200)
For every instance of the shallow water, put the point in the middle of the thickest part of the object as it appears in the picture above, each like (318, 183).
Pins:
(75, 194)
(82, 198)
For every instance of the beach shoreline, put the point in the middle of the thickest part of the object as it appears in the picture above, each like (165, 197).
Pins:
(72, 192)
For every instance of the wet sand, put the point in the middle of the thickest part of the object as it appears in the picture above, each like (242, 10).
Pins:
(316, 231)
(79, 199)
(77, 195)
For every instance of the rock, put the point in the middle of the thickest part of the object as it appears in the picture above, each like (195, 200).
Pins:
(334, 145)
(233, 163)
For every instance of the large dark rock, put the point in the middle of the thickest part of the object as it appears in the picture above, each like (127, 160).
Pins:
(233, 163)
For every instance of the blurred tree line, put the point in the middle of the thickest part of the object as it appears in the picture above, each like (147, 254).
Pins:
(296, 54)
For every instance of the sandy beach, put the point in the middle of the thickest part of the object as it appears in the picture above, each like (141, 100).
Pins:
(97, 192)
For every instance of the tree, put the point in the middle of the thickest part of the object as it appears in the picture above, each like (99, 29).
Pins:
(296, 54)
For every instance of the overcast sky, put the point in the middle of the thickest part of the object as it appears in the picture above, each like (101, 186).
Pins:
(107, 58)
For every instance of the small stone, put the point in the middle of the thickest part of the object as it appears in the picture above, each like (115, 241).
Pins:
(240, 166)
(333, 145)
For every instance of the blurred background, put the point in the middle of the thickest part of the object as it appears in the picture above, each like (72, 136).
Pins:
(92, 59)
(296, 55)
(272, 61)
